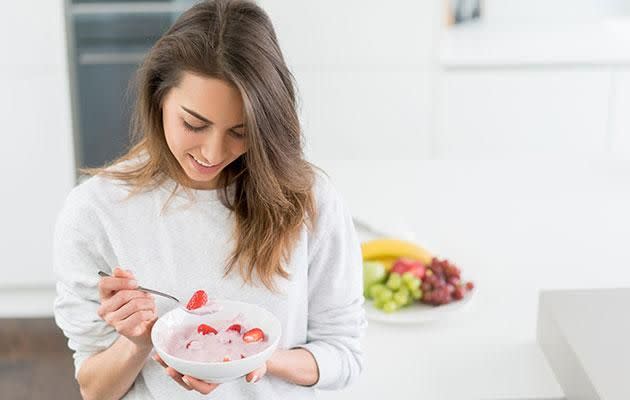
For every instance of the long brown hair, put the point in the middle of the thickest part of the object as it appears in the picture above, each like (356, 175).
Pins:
(273, 197)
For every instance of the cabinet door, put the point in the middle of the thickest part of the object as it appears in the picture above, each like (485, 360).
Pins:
(523, 112)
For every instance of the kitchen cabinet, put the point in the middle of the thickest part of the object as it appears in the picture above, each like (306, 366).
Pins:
(525, 90)
(507, 113)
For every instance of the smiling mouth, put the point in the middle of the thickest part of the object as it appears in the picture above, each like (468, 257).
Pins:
(203, 164)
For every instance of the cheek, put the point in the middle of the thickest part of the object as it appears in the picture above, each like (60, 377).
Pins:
(176, 136)
(238, 147)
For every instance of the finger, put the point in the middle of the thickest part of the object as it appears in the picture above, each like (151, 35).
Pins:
(177, 377)
(134, 305)
(119, 299)
(159, 360)
(132, 325)
(200, 386)
(256, 374)
(109, 284)
(118, 272)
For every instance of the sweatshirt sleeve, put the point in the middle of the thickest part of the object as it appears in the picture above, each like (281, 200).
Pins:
(78, 253)
(336, 320)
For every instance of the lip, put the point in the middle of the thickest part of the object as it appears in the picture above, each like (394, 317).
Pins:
(201, 168)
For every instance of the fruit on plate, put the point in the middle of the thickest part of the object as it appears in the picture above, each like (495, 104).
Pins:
(397, 273)
(373, 272)
(395, 292)
(380, 249)
(388, 262)
(442, 283)
(403, 265)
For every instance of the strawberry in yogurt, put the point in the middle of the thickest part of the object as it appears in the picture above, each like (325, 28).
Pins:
(216, 341)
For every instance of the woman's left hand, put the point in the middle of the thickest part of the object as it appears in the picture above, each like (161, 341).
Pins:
(256, 374)
(187, 382)
(190, 383)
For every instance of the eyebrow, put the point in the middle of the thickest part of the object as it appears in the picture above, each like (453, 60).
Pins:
(204, 119)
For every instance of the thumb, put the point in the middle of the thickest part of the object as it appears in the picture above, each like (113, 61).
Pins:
(256, 374)
(149, 324)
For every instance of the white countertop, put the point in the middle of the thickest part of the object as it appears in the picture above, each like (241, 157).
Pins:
(450, 360)
(586, 337)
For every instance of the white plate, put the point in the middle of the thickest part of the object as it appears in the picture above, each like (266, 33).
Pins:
(417, 313)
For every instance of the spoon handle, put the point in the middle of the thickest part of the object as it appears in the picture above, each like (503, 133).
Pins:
(101, 273)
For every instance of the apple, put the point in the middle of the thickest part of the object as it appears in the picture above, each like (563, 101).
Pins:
(373, 272)
(403, 265)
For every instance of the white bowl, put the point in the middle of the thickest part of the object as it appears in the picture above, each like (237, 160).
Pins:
(217, 372)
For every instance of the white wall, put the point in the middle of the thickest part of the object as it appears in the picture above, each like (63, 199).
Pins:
(365, 72)
(37, 165)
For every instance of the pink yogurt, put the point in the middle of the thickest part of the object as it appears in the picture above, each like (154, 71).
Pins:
(188, 344)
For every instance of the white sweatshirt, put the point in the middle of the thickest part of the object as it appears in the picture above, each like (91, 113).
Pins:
(183, 250)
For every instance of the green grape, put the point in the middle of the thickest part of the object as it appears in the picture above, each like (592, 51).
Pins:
(390, 306)
(385, 295)
(401, 298)
(416, 294)
(408, 277)
(404, 290)
(375, 289)
(394, 281)
(378, 304)
(414, 284)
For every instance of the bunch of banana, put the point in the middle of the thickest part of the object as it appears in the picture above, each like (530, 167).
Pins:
(387, 251)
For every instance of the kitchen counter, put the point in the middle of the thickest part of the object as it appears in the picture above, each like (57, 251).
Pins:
(585, 334)
(450, 359)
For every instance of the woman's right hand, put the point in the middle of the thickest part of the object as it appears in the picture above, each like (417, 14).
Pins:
(131, 312)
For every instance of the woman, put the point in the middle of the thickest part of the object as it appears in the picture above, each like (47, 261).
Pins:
(214, 195)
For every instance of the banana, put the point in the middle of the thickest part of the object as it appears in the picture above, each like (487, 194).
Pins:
(381, 249)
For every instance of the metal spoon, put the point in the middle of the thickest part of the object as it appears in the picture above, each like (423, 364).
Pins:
(101, 273)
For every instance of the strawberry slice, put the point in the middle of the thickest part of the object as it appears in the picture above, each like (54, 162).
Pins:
(198, 299)
(226, 359)
(253, 335)
(206, 329)
(235, 328)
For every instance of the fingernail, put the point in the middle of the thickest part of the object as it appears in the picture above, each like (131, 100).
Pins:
(133, 283)
(186, 381)
(254, 379)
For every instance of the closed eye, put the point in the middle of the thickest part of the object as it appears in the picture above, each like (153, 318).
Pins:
(237, 135)
(194, 128)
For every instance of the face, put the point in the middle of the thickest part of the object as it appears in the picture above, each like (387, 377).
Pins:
(203, 124)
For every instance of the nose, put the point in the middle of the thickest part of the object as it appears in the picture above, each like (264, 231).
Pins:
(213, 146)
